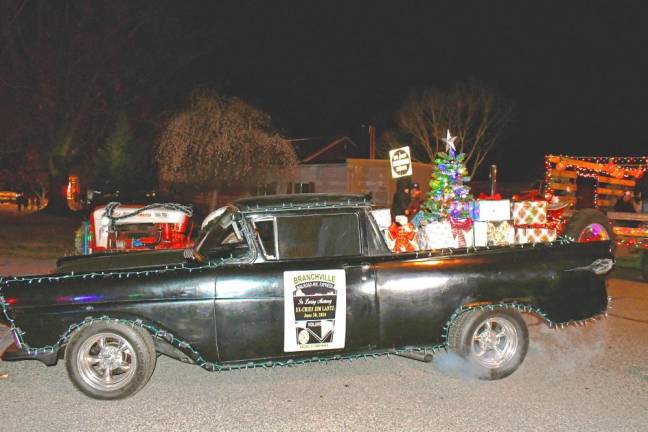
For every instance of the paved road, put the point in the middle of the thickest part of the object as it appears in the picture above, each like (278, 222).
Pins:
(592, 378)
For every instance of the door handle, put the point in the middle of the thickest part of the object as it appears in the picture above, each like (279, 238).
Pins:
(365, 267)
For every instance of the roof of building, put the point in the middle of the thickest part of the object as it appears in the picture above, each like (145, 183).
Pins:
(301, 201)
(325, 149)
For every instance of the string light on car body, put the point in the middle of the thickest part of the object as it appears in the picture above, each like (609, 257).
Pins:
(195, 355)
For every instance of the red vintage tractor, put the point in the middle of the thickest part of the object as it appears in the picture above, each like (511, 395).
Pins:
(118, 227)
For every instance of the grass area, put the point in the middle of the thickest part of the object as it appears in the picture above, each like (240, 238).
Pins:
(629, 258)
(36, 235)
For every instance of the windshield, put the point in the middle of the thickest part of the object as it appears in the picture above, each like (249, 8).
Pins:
(220, 234)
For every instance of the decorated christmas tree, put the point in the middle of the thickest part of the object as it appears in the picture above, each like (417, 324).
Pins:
(449, 196)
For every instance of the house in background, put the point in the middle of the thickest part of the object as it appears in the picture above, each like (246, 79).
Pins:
(329, 169)
(332, 165)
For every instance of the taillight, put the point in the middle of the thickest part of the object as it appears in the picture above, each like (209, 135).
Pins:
(11, 301)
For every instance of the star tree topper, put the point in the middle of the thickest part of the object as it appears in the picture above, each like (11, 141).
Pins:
(449, 140)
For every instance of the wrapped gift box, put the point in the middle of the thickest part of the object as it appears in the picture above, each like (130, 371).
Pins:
(435, 235)
(500, 233)
(403, 236)
(535, 235)
(480, 233)
(382, 218)
(467, 240)
(491, 210)
(462, 231)
(530, 213)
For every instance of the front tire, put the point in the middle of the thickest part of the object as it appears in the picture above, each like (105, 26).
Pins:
(492, 342)
(110, 360)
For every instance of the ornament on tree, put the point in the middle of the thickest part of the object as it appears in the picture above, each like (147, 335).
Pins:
(449, 196)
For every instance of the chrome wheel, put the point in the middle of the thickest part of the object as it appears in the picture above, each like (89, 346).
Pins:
(494, 342)
(106, 361)
(593, 232)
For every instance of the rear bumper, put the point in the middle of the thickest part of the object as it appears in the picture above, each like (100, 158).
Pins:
(49, 358)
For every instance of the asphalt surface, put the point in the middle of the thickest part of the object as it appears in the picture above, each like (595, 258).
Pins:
(592, 378)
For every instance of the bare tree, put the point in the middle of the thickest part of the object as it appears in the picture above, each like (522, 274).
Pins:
(221, 142)
(389, 139)
(474, 112)
(32, 173)
(68, 69)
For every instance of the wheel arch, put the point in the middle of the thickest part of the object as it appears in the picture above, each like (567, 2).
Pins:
(164, 340)
(521, 307)
(525, 307)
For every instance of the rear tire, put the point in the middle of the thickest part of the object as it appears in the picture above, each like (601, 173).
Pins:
(585, 225)
(492, 342)
(110, 360)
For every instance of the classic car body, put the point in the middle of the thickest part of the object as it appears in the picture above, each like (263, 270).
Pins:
(285, 279)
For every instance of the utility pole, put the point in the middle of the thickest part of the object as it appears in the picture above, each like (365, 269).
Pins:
(372, 141)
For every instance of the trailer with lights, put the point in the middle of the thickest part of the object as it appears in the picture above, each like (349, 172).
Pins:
(588, 188)
(592, 182)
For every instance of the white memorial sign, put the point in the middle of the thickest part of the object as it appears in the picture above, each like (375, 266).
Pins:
(314, 310)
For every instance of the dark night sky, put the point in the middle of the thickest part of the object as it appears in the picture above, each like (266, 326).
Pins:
(575, 72)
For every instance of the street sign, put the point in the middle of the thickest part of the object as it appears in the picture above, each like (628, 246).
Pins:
(401, 162)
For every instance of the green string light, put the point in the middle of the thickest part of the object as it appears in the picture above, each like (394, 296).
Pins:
(195, 355)
(115, 274)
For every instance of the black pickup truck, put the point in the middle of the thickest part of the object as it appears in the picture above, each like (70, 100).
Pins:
(283, 280)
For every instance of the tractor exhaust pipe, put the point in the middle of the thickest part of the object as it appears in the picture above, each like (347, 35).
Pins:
(493, 179)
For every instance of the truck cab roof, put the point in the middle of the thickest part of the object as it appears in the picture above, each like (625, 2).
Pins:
(301, 201)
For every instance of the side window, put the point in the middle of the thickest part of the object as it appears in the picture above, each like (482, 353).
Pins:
(220, 236)
(265, 232)
(321, 235)
(223, 239)
(232, 235)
